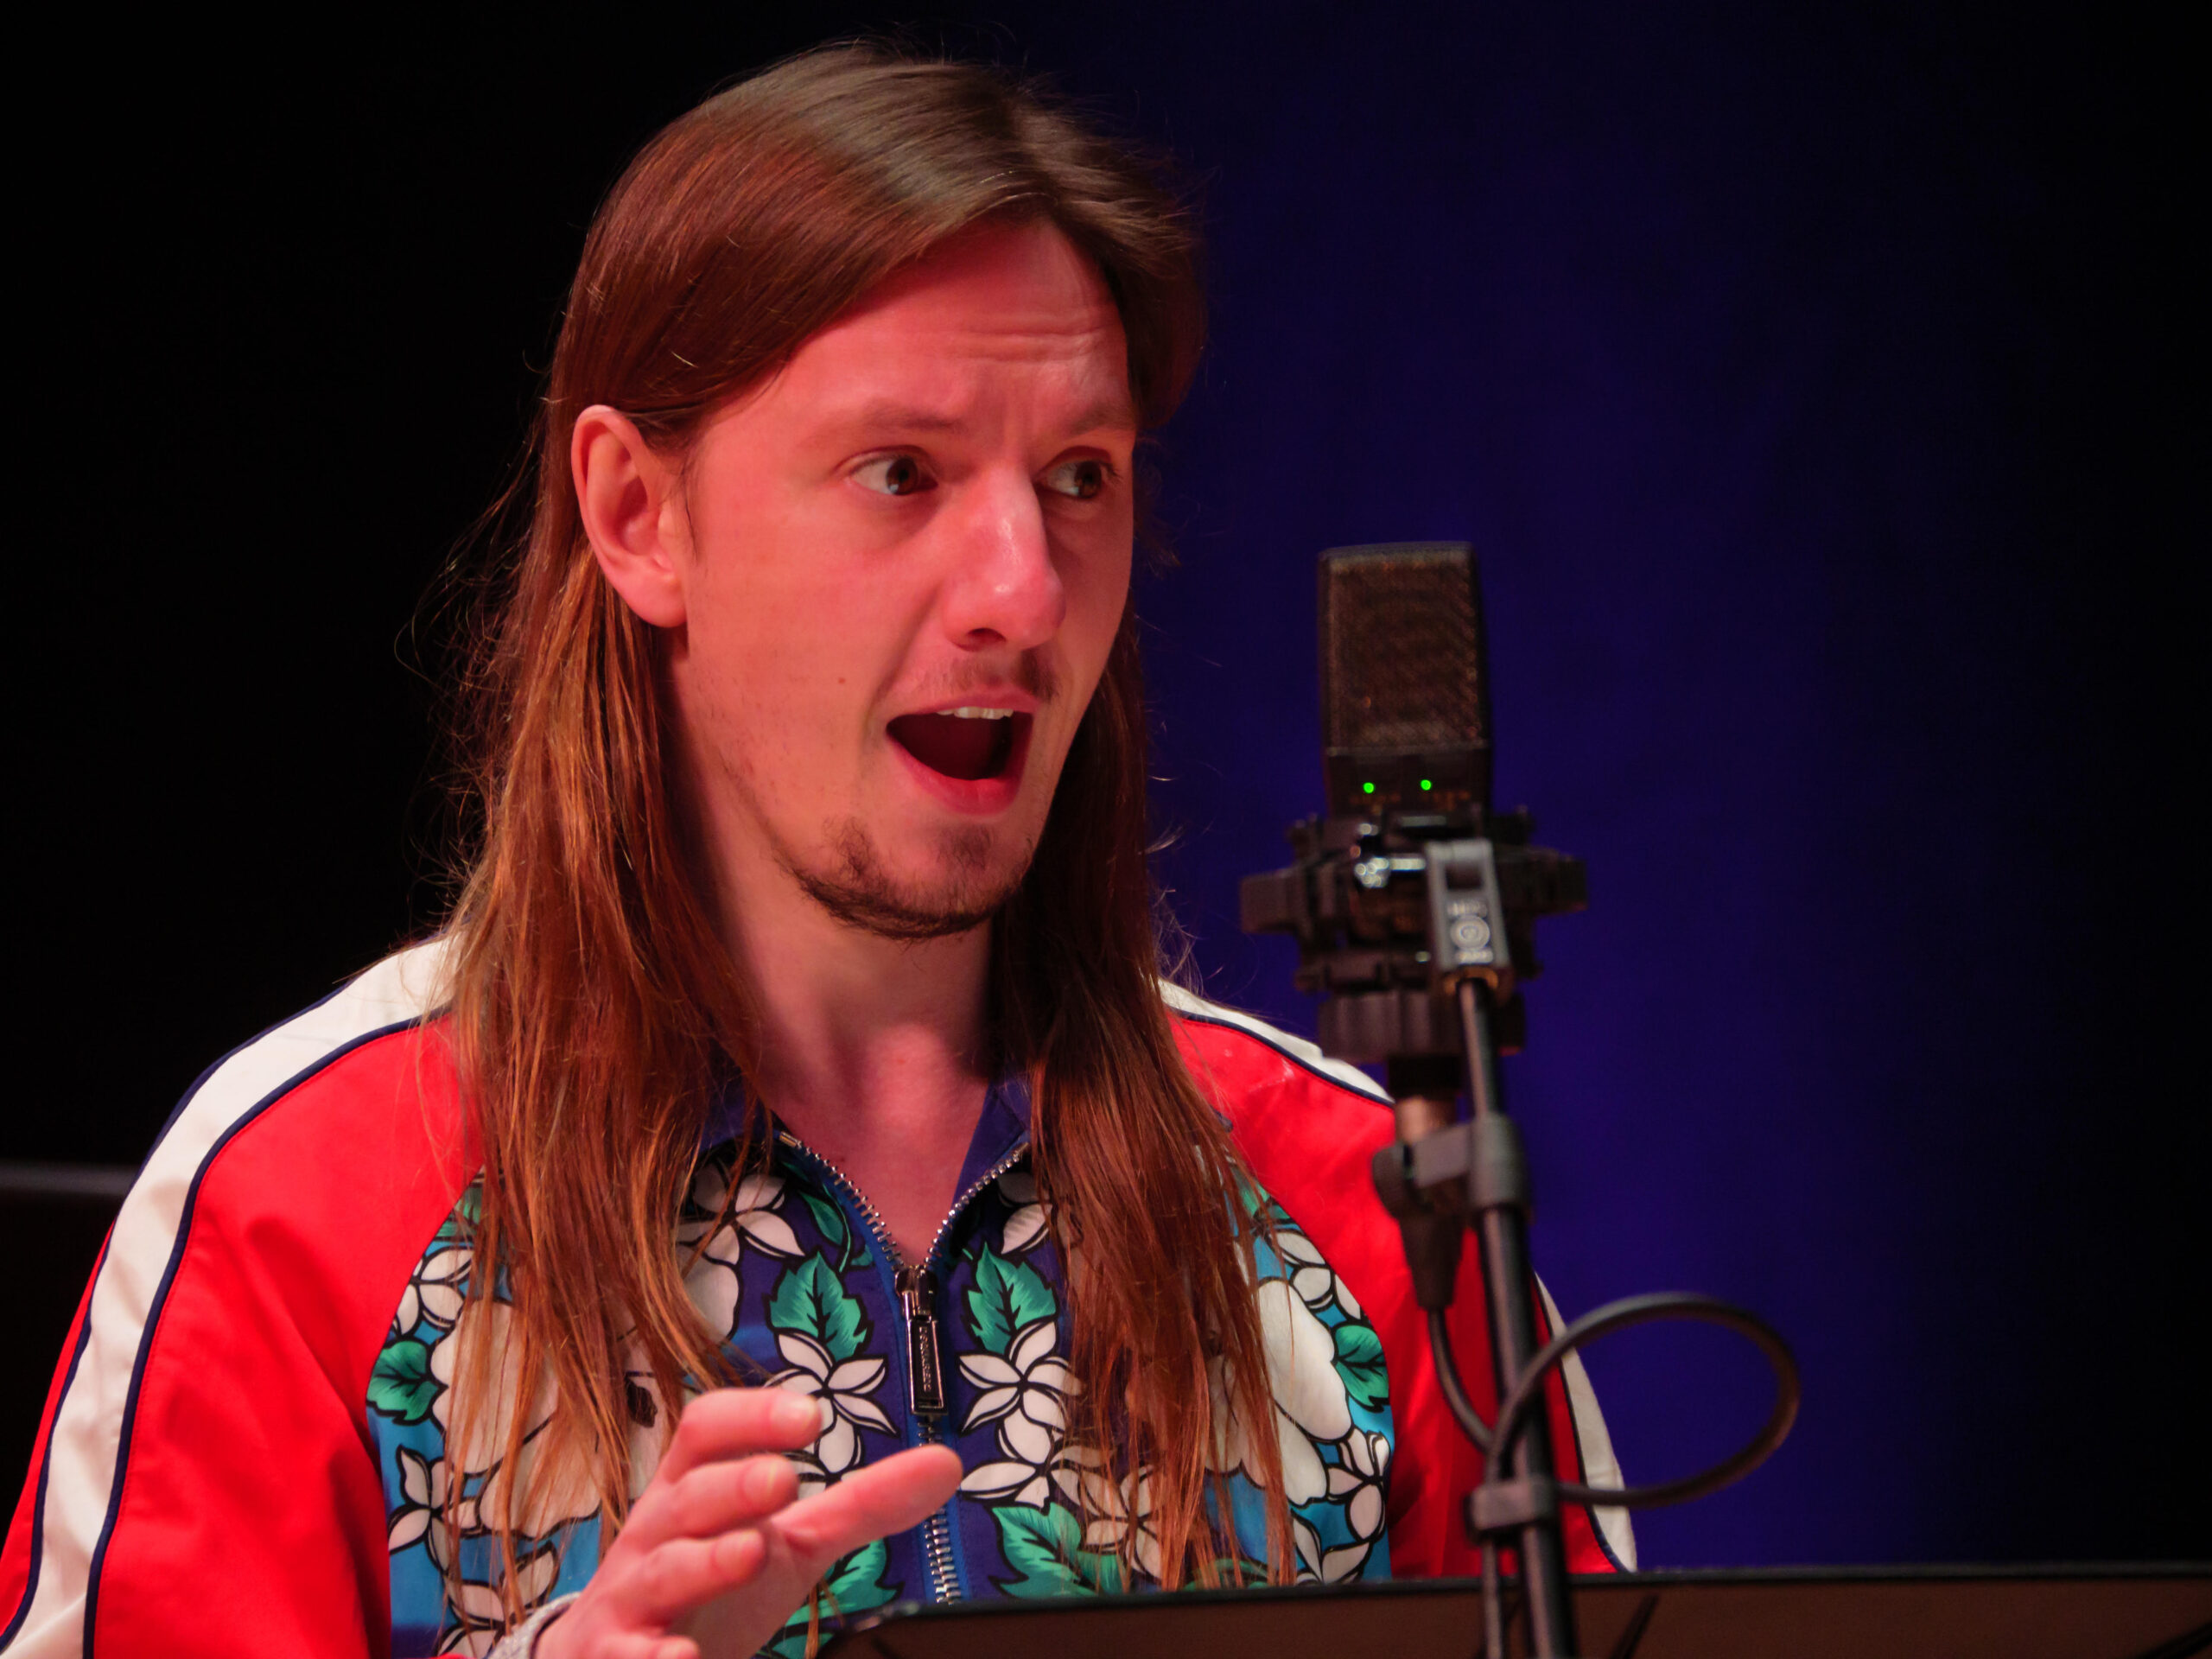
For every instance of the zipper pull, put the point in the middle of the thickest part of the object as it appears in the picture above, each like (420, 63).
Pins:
(924, 1369)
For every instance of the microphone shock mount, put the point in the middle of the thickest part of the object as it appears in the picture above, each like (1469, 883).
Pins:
(1416, 922)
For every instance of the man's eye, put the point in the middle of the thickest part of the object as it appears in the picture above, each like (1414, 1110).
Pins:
(1079, 480)
(894, 475)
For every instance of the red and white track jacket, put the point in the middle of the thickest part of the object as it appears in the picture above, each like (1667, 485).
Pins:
(203, 1481)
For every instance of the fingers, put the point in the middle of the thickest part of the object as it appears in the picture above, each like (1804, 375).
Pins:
(732, 1423)
(874, 1500)
(692, 1540)
(683, 1573)
(712, 1498)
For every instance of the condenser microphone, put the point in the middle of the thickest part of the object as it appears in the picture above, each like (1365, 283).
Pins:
(1412, 880)
(1405, 701)
(1414, 906)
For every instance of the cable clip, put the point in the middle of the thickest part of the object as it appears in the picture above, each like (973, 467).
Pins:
(1509, 1505)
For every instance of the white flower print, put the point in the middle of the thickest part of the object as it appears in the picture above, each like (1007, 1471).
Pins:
(1318, 1566)
(651, 1425)
(843, 1390)
(568, 1497)
(1027, 1223)
(481, 1612)
(712, 1277)
(1112, 1511)
(474, 1468)
(436, 1291)
(1310, 1405)
(1359, 1478)
(1312, 1278)
(422, 1497)
(1024, 1393)
(1004, 1480)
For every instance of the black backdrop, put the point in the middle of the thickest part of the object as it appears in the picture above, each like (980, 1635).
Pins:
(1816, 385)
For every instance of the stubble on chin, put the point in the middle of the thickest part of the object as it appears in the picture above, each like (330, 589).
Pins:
(860, 893)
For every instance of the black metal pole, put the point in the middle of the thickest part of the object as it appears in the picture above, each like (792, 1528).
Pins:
(1502, 1233)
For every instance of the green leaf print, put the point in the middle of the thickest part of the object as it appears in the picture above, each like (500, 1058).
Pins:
(831, 1220)
(856, 1583)
(401, 1386)
(1359, 1362)
(1045, 1547)
(853, 1586)
(810, 1299)
(1006, 1296)
(1243, 1572)
(463, 1220)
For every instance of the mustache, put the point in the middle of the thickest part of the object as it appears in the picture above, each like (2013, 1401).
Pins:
(1032, 671)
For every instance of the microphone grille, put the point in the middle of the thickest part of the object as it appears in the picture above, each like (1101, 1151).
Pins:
(1402, 648)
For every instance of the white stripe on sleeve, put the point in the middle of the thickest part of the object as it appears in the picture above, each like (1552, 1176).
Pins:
(83, 1452)
(1599, 1466)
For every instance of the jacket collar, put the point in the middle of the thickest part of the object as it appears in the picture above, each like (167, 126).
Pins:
(1002, 1130)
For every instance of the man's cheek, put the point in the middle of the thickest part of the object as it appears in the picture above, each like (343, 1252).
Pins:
(1096, 599)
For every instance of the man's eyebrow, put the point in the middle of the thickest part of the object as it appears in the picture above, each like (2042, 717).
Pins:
(1112, 413)
(903, 417)
(1117, 413)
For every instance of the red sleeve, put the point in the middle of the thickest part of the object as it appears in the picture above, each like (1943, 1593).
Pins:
(16, 1556)
(1309, 1141)
(204, 1482)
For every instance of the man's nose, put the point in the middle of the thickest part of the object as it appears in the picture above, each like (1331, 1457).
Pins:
(1005, 585)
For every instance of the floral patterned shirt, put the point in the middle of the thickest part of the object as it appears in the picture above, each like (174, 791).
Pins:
(968, 1347)
(246, 1437)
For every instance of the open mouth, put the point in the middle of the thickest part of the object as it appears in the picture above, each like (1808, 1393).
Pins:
(970, 744)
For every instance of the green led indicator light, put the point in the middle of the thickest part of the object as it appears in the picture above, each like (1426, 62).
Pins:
(1425, 783)
(1369, 788)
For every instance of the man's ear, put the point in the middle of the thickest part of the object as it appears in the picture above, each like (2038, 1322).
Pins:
(632, 512)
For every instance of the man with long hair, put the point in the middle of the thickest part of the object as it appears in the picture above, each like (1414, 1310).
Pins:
(789, 1182)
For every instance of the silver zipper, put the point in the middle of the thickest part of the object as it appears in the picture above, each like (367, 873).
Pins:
(925, 1362)
(973, 1187)
(937, 1531)
(917, 1287)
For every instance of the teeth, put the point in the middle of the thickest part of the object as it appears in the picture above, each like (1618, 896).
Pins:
(972, 713)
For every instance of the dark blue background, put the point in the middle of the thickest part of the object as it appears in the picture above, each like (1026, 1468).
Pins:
(1816, 387)
(1774, 369)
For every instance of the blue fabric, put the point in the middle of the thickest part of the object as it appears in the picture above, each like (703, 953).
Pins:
(792, 1265)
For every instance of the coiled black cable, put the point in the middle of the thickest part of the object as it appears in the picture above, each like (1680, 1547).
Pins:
(1495, 1443)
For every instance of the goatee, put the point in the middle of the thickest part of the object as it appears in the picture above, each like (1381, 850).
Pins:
(862, 895)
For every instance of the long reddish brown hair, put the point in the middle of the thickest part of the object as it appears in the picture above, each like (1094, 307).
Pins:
(596, 1011)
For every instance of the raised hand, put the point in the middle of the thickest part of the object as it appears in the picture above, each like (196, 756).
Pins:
(719, 1551)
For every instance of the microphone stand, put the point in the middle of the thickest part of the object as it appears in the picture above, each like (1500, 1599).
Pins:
(1439, 1176)
(1529, 1501)
(1484, 1156)
(1411, 928)
(1414, 907)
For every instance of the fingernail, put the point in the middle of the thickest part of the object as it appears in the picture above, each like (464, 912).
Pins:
(795, 1412)
(759, 1481)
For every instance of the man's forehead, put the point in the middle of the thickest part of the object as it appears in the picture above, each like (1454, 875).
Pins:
(1019, 297)
(1023, 274)
(1110, 412)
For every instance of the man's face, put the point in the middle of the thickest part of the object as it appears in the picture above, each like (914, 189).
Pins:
(910, 553)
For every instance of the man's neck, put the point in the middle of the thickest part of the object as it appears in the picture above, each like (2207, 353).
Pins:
(870, 1050)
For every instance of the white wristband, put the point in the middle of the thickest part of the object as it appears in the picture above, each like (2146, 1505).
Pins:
(521, 1641)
